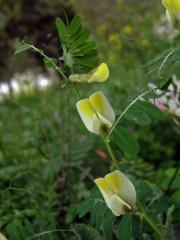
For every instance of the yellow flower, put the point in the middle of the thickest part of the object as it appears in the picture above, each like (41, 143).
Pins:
(115, 41)
(118, 192)
(172, 11)
(96, 113)
(113, 57)
(99, 74)
(2, 237)
(144, 42)
(101, 29)
(113, 38)
(127, 29)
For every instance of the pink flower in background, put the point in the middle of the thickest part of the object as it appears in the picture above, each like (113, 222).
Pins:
(158, 103)
(170, 101)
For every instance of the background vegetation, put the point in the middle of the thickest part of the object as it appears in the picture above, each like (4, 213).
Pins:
(48, 160)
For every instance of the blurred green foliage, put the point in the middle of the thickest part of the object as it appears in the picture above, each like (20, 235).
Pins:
(48, 160)
(129, 38)
(33, 21)
(47, 180)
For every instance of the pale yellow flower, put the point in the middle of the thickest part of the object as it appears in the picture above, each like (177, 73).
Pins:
(172, 11)
(118, 192)
(127, 29)
(113, 57)
(144, 42)
(99, 74)
(96, 113)
(2, 237)
(113, 38)
(115, 41)
(101, 29)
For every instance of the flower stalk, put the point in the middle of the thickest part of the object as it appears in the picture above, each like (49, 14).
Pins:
(111, 152)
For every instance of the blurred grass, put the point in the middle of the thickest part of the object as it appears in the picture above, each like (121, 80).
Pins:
(47, 168)
(45, 183)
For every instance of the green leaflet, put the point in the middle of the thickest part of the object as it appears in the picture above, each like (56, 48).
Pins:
(86, 232)
(75, 25)
(125, 228)
(142, 112)
(62, 30)
(22, 48)
(78, 51)
(126, 141)
(139, 117)
(108, 225)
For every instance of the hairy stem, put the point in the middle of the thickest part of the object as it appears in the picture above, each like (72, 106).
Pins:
(58, 69)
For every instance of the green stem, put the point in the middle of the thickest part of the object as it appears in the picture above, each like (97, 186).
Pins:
(51, 231)
(173, 178)
(150, 222)
(111, 152)
(69, 121)
(58, 69)
(77, 90)
(127, 108)
(164, 61)
(75, 86)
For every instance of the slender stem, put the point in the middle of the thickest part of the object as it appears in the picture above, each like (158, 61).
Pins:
(77, 90)
(111, 152)
(48, 144)
(127, 108)
(150, 222)
(173, 178)
(69, 120)
(75, 86)
(58, 69)
(164, 61)
(51, 231)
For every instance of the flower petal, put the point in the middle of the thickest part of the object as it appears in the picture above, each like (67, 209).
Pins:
(172, 105)
(118, 206)
(172, 11)
(78, 78)
(104, 189)
(177, 112)
(122, 186)
(99, 74)
(170, 17)
(88, 115)
(2, 237)
(171, 4)
(102, 106)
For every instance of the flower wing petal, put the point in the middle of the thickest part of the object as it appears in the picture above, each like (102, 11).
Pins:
(2, 237)
(122, 186)
(104, 189)
(172, 11)
(118, 206)
(171, 4)
(78, 78)
(99, 74)
(102, 106)
(88, 115)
